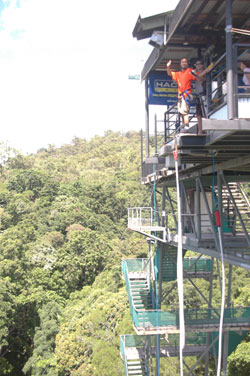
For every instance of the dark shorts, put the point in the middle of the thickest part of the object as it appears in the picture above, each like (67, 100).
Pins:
(198, 108)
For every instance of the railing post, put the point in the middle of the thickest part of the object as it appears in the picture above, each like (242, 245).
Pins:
(141, 152)
(235, 80)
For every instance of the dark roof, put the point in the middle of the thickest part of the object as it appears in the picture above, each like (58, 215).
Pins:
(145, 27)
(192, 28)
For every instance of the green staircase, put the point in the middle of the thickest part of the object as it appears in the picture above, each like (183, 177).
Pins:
(134, 355)
(199, 269)
(149, 321)
(137, 367)
(141, 295)
(169, 272)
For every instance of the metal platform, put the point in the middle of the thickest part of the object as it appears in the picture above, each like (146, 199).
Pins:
(227, 148)
(151, 324)
(166, 351)
(236, 249)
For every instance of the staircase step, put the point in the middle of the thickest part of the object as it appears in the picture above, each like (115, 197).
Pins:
(143, 291)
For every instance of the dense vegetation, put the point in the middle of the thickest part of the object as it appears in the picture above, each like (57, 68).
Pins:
(63, 224)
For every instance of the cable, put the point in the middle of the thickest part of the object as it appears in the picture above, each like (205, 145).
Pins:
(180, 265)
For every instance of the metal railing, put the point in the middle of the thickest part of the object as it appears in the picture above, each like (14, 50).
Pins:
(140, 342)
(172, 121)
(216, 86)
(241, 93)
(140, 217)
(146, 221)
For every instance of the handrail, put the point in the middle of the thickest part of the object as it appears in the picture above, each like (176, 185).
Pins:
(128, 285)
(122, 347)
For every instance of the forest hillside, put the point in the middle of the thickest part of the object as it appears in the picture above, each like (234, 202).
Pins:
(63, 231)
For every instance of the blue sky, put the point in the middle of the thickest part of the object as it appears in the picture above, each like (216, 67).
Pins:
(65, 66)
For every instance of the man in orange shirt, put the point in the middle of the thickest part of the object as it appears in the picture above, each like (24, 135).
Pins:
(183, 79)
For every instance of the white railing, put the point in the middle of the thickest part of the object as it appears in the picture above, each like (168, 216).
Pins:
(140, 217)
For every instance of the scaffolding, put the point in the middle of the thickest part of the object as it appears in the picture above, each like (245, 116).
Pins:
(213, 171)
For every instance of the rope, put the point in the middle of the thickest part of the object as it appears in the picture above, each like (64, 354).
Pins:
(240, 31)
(180, 265)
(218, 225)
(222, 296)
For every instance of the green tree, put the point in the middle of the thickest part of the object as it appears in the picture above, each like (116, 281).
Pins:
(42, 361)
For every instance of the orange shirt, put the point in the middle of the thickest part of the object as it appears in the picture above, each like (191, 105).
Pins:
(183, 79)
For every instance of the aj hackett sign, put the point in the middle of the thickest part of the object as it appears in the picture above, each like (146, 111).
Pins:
(164, 86)
(162, 89)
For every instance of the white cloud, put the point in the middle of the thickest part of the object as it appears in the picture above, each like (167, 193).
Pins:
(65, 66)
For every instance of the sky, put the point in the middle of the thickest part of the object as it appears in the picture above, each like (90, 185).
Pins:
(64, 68)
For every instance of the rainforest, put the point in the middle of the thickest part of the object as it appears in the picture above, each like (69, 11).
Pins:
(63, 235)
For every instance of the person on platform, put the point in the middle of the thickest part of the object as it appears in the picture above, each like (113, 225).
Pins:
(200, 90)
(184, 78)
(244, 67)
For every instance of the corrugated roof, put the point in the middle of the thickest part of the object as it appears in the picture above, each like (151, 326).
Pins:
(191, 29)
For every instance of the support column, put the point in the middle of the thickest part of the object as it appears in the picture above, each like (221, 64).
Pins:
(226, 335)
(209, 305)
(162, 246)
(141, 151)
(146, 118)
(229, 61)
(220, 206)
(198, 210)
(157, 359)
(156, 135)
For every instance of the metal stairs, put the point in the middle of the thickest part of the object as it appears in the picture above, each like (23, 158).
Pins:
(240, 200)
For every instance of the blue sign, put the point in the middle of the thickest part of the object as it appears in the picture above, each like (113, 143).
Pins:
(162, 89)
